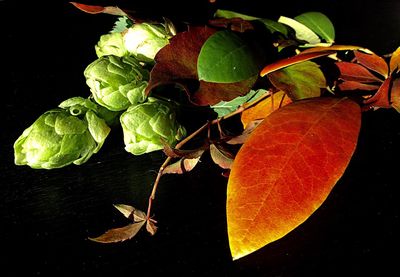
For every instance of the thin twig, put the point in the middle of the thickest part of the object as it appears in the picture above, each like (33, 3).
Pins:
(192, 135)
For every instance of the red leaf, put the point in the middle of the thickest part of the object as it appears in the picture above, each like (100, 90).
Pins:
(381, 98)
(353, 85)
(287, 168)
(336, 48)
(309, 54)
(395, 61)
(373, 62)
(176, 63)
(99, 9)
(355, 72)
(395, 95)
(293, 60)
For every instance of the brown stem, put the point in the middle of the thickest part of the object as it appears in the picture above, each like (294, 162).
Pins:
(192, 135)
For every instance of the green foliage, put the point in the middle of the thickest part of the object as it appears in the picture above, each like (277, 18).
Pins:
(318, 23)
(121, 24)
(271, 25)
(299, 81)
(225, 107)
(226, 58)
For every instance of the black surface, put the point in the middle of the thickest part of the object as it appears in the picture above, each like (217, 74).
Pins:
(46, 216)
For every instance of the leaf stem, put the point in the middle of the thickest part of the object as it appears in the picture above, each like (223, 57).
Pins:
(191, 136)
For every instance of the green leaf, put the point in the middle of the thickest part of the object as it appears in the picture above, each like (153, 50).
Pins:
(121, 24)
(223, 108)
(226, 58)
(303, 32)
(318, 23)
(300, 81)
(271, 25)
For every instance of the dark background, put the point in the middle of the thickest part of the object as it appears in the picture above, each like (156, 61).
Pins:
(46, 216)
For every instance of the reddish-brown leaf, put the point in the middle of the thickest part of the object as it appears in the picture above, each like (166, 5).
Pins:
(336, 48)
(235, 24)
(176, 63)
(151, 227)
(120, 234)
(221, 157)
(354, 85)
(294, 60)
(250, 127)
(381, 98)
(188, 154)
(181, 166)
(130, 212)
(355, 72)
(373, 62)
(287, 168)
(99, 9)
(395, 61)
(395, 95)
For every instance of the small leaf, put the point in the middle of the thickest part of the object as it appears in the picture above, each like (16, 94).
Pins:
(381, 98)
(225, 107)
(231, 14)
(221, 157)
(336, 48)
(126, 210)
(354, 85)
(373, 62)
(303, 33)
(355, 72)
(287, 168)
(265, 107)
(271, 25)
(318, 23)
(181, 166)
(242, 138)
(188, 154)
(234, 24)
(395, 95)
(299, 81)
(302, 57)
(395, 61)
(120, 234)
(121, 24)
(151, 227)
(99, 9)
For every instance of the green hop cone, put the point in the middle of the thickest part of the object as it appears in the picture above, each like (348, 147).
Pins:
(61, 137)
(111, 44)
(117, 82)
(147, 125)
(144, 40)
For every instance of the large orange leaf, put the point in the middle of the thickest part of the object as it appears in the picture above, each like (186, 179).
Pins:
(287, 168)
